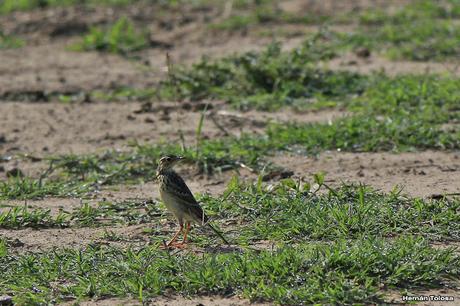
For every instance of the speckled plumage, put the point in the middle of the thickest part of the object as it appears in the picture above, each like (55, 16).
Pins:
(178, 199)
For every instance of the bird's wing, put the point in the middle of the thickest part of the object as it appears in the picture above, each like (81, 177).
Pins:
(183, 193)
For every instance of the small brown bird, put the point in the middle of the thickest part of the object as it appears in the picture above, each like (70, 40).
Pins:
(178, 199)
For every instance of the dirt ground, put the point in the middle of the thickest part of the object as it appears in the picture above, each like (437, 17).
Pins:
(34, 125)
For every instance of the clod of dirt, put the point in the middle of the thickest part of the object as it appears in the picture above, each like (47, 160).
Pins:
(69, 28)
(281, 174)
(363, 52)
(6, 300)
(16, 243)
(165, 117)
(145, 108)
(159, 44)
(15, 172)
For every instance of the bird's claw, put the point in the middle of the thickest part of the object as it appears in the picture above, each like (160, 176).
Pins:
(174, 245)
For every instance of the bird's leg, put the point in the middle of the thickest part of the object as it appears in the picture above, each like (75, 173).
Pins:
(187, 230)
(183, 244)
(181, 227)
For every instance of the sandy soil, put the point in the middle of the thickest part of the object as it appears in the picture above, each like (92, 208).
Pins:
(395, 297)
(420, 174)
(376, 63)
(174, 301)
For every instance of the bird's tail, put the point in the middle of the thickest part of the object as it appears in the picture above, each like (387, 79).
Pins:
(218, 233)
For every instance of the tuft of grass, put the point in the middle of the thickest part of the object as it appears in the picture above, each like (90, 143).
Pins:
(9, 42)
(342, 271)
(3, 247)
(29, 188)
(8, 6)
(121, 38)
(267, 80)
(104, 214)
(418, 40)
(125, 94)
(415, 10)
(21, 217)
(423, 30)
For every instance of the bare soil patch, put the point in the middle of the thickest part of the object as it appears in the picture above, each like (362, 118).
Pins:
(174, 301)
(32, 240)
(205, 300)
(50, 68)
(420, 174)
(375, 63)
(396, 298)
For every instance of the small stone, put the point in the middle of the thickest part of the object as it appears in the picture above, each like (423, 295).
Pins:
(16, 243)
(286, 174)
(6, 300)
(363, 52)
(15, 172)
(165, 117)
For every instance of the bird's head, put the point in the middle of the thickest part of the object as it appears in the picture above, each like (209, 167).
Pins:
(167, 162)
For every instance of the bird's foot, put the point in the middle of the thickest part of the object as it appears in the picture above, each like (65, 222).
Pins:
(174, 245)
(179, 245)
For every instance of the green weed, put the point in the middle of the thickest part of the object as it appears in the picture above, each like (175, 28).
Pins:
(8, 6)
(8, 42)
(3, 247)
(266, 80)
(20, 217)
(121, 38)
(29, 188)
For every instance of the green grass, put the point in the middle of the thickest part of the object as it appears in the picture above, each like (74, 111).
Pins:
(121, 38)
(290, 213)
(417, 40)
(124, 94)
(8, 6)
(262, 16)
(421, 30)
(272, 79)
(105, 213)
(23, 217)
(339, 272)
(415, 10)
(266, 80)
(341, 246)
(9, 42)
(30, 188)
